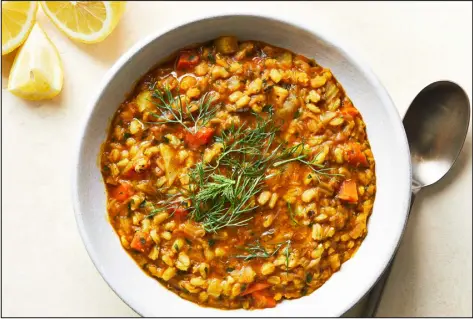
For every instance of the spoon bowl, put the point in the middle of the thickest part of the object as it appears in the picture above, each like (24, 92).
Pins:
(436, 125)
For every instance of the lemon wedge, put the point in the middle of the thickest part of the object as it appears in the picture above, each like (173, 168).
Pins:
(18, 18)
(85, 21)
(36, 73)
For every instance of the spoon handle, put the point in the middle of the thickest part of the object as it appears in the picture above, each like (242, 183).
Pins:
(375, 295)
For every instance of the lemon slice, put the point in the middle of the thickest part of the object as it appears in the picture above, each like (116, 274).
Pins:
(36, 73)
(18, 18)
(85, 21)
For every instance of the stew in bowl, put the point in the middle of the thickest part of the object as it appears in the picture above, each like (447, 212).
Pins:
(239, 174)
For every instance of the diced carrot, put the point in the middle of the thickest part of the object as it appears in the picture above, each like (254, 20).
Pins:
(263, 301)
(255, 287)
(140, 241)
(347, 108)
(202, 137)
(187, 59)
(350, 111)
(355, 156)
(122, 192)
(348, 191)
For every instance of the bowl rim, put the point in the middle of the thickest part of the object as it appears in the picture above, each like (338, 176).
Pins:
(321, 33)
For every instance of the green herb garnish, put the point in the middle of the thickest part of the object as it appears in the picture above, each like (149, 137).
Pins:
(298, 151)
(173, 111)
(225, 189)
(291, 214)
(211, 57)
(221, 201)
(155, 212)
(268, 108)
(287, 254)
(126, 136)
(308, 277)
(256, 250)
(152, 86)
(131, 202)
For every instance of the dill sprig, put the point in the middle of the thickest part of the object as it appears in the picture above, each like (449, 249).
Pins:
(319, 171)
(223, 201)
(291, 214)
(172, 201)
(298, 151)
(287, 254)
(287, 154)
(248, 150)
(220, 201)
(173, 110)
(224, 193)
(221, 186)
(247, 141)
(256, 250)
(156, 211)
(211, 57)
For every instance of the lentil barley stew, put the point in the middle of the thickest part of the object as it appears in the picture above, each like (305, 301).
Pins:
(239, 174)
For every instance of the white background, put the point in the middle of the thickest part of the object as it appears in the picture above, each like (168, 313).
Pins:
(45, 268)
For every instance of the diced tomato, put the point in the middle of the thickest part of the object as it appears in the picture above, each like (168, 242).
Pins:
(134, 175)
(202, 137)
(261, 300)
(348, 191)
(355, 156)
(122, 192)
(180, 132)
(180, 213)
(140, 241)
(129, 112)
(187, 59)
(255, 287)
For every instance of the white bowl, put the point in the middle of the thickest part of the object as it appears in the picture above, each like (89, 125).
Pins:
(385, 132)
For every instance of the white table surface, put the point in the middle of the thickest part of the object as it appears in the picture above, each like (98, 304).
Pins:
(45, 268)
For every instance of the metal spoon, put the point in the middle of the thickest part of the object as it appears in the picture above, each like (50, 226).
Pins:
(436, 125)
